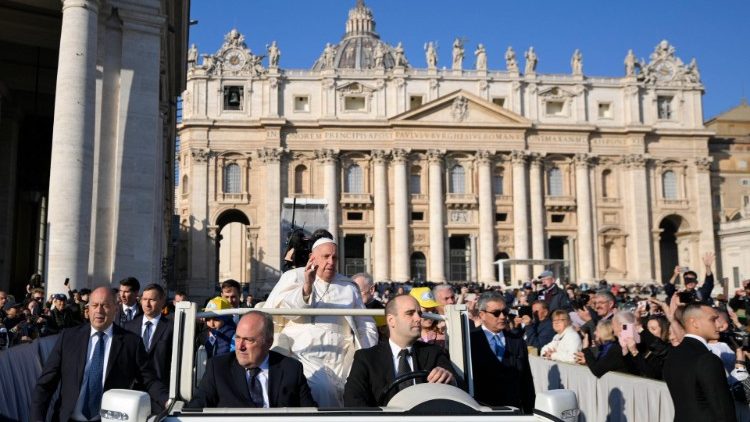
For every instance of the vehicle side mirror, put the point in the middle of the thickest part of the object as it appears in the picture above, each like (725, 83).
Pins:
(557, 405)
(125, 405)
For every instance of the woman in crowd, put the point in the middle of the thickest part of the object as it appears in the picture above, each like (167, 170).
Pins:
(611, 356)
(566, 342)
(431, 334)
(654, 346)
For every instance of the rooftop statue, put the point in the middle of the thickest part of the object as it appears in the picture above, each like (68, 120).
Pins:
(576, 63)
(481, 55)
(458, 54)
(531, 61)
(431, 55)
(273, 55)
(510, 60)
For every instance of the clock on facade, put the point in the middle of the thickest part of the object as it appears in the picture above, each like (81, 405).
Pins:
(665, 71)
(234, 59)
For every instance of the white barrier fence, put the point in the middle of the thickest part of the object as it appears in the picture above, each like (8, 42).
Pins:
(615, 397)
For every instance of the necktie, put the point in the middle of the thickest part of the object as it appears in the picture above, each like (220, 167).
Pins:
(499, 348)
(129, 313)
(147, 335)
(254, 387)
(403, 368)
(93, 389)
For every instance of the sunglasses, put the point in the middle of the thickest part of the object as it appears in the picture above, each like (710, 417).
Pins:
(498, 312)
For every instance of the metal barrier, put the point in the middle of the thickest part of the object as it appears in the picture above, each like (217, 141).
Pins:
(614, 397)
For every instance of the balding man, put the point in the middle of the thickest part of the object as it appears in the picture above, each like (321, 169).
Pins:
(90, 359)
(695, 376)
(253, 376)
(375, 368)
(324, 344)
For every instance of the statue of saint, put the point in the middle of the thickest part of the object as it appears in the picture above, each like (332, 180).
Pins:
(630, 63)
(378, 55)
(192, 55)
(431, 55)
(458, 54)
(576, 63)
(273, 55)
(328, 55)
(510, 60)
(398, 55)
(693, 75)
(481, 55)
(531, 61)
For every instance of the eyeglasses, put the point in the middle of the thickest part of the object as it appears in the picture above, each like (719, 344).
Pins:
(498, 312)
(559, 320)
(38, 297)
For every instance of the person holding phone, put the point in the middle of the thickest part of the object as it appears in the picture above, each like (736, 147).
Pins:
(618, 359)
(692, 293)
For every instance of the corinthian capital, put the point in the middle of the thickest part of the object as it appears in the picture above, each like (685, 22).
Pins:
(435, 156)
(635, 161)
(200, 155)
(400, 155)
(583, 159)
(536, 158)
(518, 157)
(270, 155)
(482, 157)
(326, 155)
(703, 163)
(379, 156)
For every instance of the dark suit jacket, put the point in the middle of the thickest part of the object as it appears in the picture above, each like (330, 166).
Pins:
(697, 384)
(612, 361)
(126, 365)
(160, 351)
(372, 371)
(225, 385)
(120, 315)
(506, 383)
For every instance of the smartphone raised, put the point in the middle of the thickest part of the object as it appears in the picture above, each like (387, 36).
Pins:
(628, 332)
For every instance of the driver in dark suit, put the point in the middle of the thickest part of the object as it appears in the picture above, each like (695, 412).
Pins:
(374, 369)
(253, 376)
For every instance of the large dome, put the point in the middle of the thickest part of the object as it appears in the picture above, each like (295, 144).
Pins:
(359, 46)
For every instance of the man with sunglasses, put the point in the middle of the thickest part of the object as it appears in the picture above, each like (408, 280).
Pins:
(500, 360)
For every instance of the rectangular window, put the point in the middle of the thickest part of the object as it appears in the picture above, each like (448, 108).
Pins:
(664, 107)
(745, 182)
(415, 101)
(501, 216)
(302, 103)
(558, 218)
(499, 101)
(417, 216)
(605, 110)
(555, 108)
(354, 216)
(354, 103)
(233, 96)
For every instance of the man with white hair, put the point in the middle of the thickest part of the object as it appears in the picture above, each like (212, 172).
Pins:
(324, 344)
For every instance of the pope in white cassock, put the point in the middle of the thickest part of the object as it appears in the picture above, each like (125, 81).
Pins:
(324, 344)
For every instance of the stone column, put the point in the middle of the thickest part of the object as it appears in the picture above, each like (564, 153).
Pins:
(368, 255)
(639, 242)
(437, 220)
(329, 158)
(585, 221)
(271, 157)
(71, 172)
(520, 216)
(199, 241)
(473, 258)
(538, 212)
(486, 219)
(381, 267)
(400, 216)
(704, 208)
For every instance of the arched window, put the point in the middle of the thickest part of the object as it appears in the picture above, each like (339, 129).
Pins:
(607, 188)
(300, 177)
(497, 181)
(555, 182)
(669, 184)
(418, 267)
(457, 180)
(185, 184)
(415, 180)
(353, 182)
(232, 178)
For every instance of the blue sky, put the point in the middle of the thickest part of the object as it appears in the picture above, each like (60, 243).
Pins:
(716, 33)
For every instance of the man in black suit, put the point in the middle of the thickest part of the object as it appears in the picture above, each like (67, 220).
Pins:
(253, 376)
(499, 358)
(155, 330)
(129, 308)
(76, 364)
(375, 368)
(695, 376)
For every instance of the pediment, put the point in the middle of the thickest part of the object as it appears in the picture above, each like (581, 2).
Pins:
(355, 88)
(461, 108)
(556, 93)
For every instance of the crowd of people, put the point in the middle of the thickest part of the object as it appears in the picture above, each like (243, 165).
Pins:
(678, 333)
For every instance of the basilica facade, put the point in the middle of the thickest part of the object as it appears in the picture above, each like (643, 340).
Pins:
(435, 173)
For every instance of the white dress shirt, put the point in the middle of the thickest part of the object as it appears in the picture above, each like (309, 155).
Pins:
(395, 350)
(154, 323)
(93, 341)
(133, 310)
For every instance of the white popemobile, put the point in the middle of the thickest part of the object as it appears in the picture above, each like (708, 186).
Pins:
(420, 402)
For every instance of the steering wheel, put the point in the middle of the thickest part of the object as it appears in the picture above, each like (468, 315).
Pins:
(398, 380)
